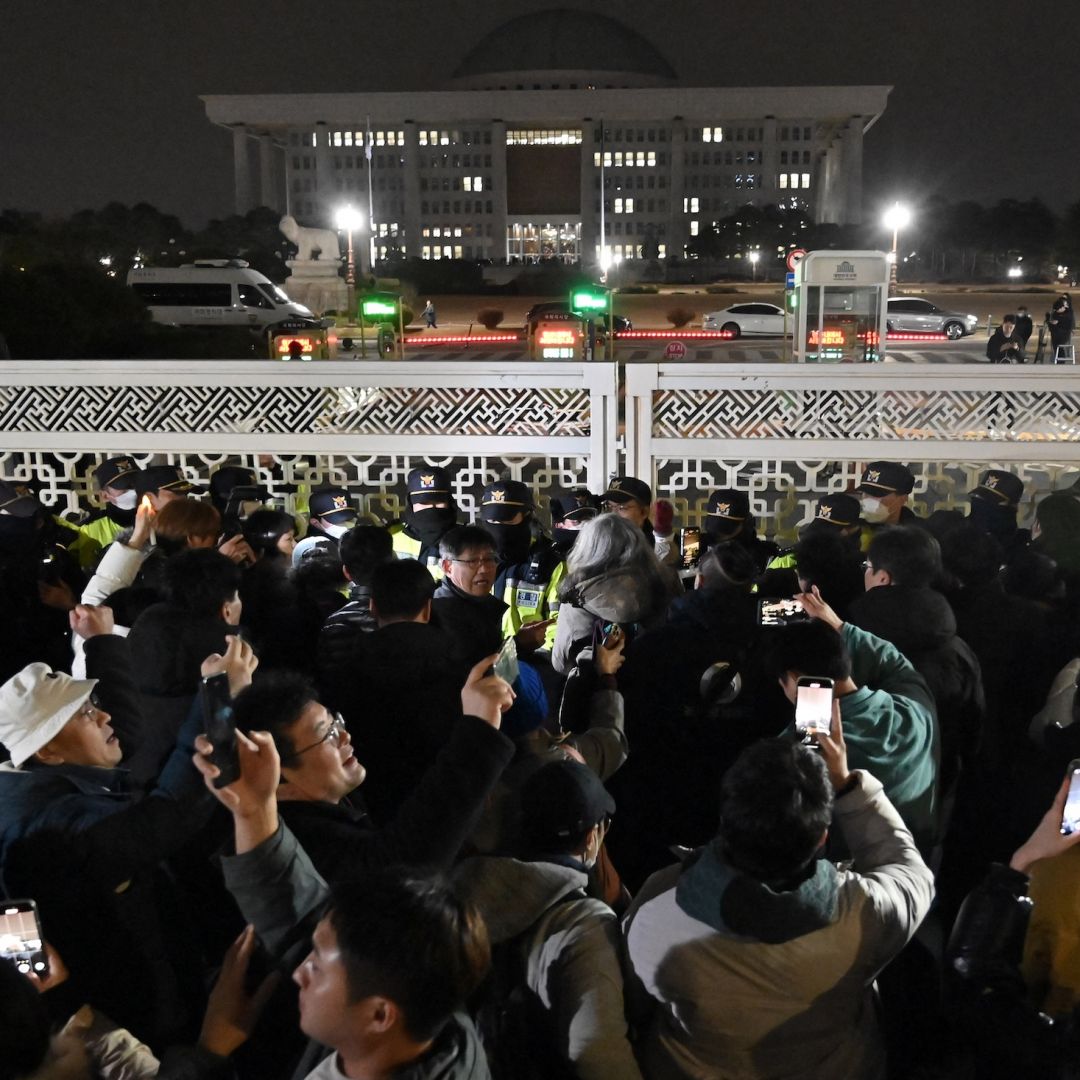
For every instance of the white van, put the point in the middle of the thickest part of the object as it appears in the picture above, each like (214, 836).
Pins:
(213, 292)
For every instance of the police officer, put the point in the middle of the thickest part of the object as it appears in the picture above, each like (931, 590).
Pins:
(884, 488)
(114, 481)
(163, 483)
(836, 513)
(331, 513)
(430, 513)
(530, 565)
(728, 520)
(568, 514)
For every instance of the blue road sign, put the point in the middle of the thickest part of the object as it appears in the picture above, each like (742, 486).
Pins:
(789, 280)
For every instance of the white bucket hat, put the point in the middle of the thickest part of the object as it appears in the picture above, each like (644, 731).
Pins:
(35, 705)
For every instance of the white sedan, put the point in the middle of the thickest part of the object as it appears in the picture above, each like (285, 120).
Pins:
(745, 319)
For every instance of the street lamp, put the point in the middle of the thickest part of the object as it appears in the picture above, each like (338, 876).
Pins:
(348, 220)
(897, 217)
(754, 256)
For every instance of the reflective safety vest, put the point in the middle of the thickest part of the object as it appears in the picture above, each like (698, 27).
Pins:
(407, 547)
(535, 595)
(100, 532)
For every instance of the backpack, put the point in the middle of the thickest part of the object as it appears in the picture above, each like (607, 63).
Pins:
(515, 1028)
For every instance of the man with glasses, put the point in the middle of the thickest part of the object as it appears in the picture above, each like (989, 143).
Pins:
(320, 772)
(463, 604)
(75, 837)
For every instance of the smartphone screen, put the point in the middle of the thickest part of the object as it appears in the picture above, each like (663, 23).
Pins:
(221, 728)
(20, 937)
(1070, 819)
(690, 547)
(506, 664)
(813, 705)
(781, 613)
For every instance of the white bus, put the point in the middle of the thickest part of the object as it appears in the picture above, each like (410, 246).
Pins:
(213, 292)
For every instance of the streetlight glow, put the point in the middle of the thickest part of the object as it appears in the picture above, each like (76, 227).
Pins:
(348, 220)
(897, 217)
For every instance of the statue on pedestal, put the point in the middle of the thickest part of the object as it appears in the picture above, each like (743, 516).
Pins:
(314, 278)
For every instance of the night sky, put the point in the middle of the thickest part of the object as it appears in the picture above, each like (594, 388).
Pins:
(99, 100)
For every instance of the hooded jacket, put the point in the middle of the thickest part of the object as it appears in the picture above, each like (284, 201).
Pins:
(570, 945)
(622, 596)
(738, 980)
(921, 624)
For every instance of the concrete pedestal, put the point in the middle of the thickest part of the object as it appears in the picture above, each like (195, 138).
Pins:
(317, 285)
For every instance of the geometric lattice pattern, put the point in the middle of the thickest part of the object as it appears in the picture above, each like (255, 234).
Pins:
(377, 482)
(783, 494)
(842, 413)
(514, 411)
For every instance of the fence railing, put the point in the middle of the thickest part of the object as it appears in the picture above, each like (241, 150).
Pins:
(784, 433)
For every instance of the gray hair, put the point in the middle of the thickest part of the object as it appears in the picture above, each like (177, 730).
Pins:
(609, 543)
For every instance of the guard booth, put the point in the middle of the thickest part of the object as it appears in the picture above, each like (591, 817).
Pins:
(840, 310)
(384, 312)
(298, 339)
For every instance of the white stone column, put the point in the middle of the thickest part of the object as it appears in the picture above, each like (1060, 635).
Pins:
(326, 194)
(589, 175)
(677, 230)
(852, 176)
(268, 180)
(411, 194)
(241, 169)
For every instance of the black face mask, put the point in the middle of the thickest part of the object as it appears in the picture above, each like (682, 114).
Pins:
(124, 518)
(428, 525)
(512, 542)
(564, 538)
(998, 521)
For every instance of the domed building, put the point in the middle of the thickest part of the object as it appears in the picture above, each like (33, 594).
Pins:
(562, 135)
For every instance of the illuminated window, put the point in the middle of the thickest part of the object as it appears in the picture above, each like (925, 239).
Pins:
(694, 227)
(691, 205)
(546, 137)
(618, 158)
(629, 206)
(618, 206)
(783, 180)
(712, 134)
(650, 157)
(805, 179)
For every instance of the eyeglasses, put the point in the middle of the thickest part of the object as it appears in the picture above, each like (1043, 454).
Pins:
(90, 709)
(484, 560)
(335, 731)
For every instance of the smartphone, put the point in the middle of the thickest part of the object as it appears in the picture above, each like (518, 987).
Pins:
(49, 569)
(690, 547)
(506, 663)
(220, 721)
(781, 613)
(813, 705)
(611, 635)
(21, 940)
(1070, 819)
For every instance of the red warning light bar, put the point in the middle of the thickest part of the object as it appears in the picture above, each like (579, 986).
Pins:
(464, 339)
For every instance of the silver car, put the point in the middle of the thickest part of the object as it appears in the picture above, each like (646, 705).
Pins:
(741, 320)
(914, 313)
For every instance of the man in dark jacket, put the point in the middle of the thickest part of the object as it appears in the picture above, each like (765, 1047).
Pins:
(463, 604)
(319, 773)
(74, 837)
(405, 659)
(900, 606)
(1004, 345)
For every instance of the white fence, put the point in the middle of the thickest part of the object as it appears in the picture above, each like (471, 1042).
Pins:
(784, 433)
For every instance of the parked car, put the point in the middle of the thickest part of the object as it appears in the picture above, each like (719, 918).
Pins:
(746, 319)
(914, 313)
(558, 308)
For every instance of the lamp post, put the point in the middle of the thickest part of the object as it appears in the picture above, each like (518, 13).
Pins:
(897, 217)
(754, 256)
(348, 220)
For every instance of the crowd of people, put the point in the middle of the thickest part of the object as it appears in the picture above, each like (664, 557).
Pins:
(325, 797)
(1008, 344)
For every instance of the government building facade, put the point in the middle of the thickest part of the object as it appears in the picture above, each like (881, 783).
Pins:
(558, 128)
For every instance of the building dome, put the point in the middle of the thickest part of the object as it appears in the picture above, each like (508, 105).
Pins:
(559, 47)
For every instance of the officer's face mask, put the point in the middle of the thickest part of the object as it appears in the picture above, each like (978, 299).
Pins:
(125, 500)
(336, 531)
(511, 541)
(874, 510)
(429, 524)
(564, 538)
(997, 521)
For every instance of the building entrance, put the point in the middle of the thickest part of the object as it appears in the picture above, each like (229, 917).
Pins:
(533, 242)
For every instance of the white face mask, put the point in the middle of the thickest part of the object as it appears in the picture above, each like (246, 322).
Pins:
(336, 531)
(874, 511)
(126, 500)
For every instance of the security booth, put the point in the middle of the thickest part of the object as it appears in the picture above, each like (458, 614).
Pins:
(840, 306)
(298, 339)
(558, 336)
(593, 303)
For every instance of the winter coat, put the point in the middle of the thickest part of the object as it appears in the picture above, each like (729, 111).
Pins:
(747, 982)
(622, 596)
(570, 944)
(281, 894)
(473, 623)
(920, 623)
(433, 821)
(77, 840)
